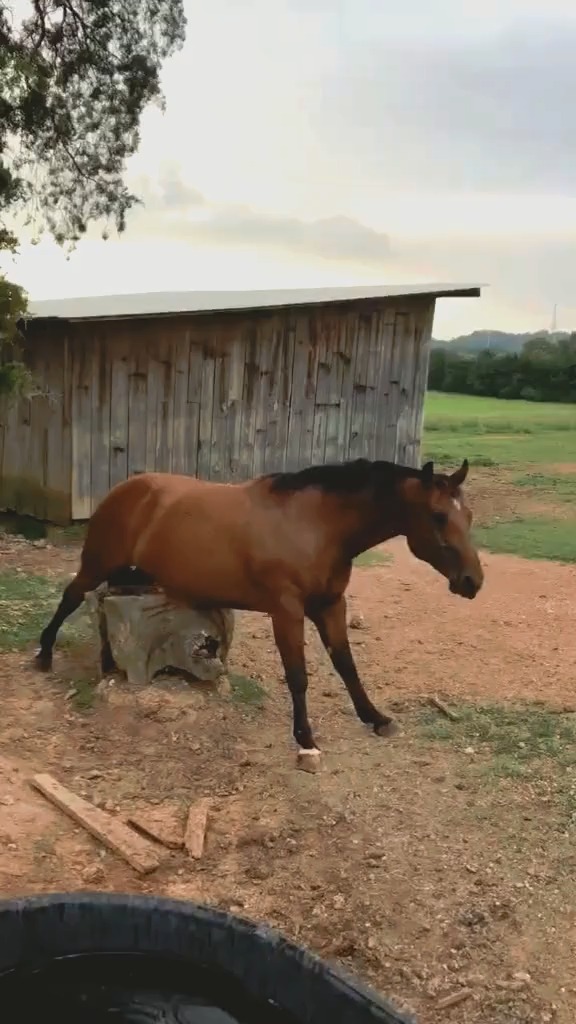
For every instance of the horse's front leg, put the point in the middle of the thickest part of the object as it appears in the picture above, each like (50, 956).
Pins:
(289, 635)
(330, 622)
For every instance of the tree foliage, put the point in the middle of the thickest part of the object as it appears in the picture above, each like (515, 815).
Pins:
(544, 371)
(75, 77)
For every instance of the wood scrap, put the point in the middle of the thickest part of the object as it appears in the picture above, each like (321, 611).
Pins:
(455, 999)
(114, 834)
(164, 824)
(196, 828)
(444, 709)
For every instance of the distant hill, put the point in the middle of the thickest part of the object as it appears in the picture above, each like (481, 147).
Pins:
(497, 341)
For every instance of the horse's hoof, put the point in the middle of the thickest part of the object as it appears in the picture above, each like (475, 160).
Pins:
(308, 760)
(42, 661)
(386, 729)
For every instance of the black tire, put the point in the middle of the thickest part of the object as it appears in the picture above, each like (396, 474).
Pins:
(269, 968)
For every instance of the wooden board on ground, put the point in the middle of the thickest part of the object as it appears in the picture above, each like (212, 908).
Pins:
(112, 833)
(196, 828)
(164, 824)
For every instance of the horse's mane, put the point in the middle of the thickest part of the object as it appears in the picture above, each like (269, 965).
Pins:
(343, 477)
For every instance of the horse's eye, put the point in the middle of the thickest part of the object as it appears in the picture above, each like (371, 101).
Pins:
(440, 519)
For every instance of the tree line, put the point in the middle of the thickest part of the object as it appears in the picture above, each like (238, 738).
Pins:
(543, 371)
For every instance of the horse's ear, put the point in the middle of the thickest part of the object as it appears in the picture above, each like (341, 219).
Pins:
(458, 478)
(427, 474)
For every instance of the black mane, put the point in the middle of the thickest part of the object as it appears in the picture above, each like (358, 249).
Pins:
(343, 477)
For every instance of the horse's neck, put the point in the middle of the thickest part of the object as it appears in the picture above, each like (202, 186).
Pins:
(363, 523)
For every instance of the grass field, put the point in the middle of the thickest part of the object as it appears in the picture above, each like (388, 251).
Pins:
(494, 432)
(523, 456)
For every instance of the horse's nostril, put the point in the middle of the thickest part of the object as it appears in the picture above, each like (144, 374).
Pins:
(469, 585)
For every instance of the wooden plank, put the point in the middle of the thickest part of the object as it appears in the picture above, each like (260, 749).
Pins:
(384, 444)
(206, 411)
(138, 372)
(165, 403)
(195, 360)
(298, 391)
(219, 415)
(119, 352)
(334, 392)
(164, 824)
(406, 401)
(394, 403)
(101, 397)
(112, 833)
(249, 399)
(273, 458)
(371, 394)
(196, 828)
(265, 347)
(348, 359)
(362, 345)
(180, 424)
(233, 451)
(82, 405)
(154, 372)
(308, 399)
(322, 390)
(425, 322)
(284, 390)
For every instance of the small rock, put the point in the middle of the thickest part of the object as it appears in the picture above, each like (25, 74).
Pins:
(259, 872)
(7, 801)
(94, 773)
(522, 976)
(357, 622)
(94, 873)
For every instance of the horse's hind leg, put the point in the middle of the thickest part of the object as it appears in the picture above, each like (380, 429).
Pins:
(107, 663)
(71, 600)
(331, 625)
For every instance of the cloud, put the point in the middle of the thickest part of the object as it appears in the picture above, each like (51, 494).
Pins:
(485, 111)
(173, 209)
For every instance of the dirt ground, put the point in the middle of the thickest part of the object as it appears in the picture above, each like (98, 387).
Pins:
(403, 859)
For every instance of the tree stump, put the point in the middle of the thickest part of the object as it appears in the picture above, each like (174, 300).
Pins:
(148, 635)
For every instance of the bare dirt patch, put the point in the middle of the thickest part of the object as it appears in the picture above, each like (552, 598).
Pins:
(412, 861)
(494, 497)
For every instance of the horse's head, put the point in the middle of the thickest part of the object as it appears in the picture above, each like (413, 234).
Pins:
(438, 527)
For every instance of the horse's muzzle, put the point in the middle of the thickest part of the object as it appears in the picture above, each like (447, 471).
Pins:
(465, 586)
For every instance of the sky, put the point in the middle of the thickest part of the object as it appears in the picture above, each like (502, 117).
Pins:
(334, 142)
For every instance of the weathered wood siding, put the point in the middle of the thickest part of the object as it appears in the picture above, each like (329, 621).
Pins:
(35, 436)
(224, 397)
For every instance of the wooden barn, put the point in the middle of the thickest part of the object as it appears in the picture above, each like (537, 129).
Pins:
(224, 386)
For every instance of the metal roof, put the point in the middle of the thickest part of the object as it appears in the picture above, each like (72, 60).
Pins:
(152, 304)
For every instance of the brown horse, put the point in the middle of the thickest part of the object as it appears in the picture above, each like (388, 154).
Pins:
(281, 544)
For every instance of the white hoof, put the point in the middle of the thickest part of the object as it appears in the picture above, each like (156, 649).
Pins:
(308, 760)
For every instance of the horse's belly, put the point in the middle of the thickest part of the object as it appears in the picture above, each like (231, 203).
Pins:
(202, 580)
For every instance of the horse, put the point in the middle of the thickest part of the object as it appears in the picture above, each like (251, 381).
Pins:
(283, 544)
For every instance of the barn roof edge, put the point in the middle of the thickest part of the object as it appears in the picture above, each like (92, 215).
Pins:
(165, 304)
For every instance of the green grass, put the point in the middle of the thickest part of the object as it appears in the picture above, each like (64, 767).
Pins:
(491, 431)
(84, 695)
(514, 740)
(246, 690)
(371, 558)
(536, 537)
(26, 605)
